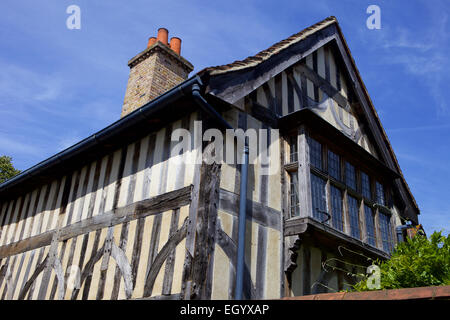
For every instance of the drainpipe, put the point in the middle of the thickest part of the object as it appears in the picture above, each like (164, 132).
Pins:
(241, 231)
(207, 108)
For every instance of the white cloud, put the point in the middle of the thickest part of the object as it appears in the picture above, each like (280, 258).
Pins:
(9, 146)
(19, 85)
(422, 52)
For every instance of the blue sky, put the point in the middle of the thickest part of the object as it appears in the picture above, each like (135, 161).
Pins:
(58, 86)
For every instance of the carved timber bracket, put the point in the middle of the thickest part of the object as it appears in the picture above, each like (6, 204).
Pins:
(291, 259)
(292, 245)
(295, 234)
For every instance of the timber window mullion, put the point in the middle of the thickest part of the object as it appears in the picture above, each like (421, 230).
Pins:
(378, 236)
(346, 215)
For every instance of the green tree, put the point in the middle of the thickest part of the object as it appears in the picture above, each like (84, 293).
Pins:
(418, 262)
(7, 170)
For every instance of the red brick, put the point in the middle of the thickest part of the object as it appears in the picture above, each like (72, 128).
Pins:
(157, 72)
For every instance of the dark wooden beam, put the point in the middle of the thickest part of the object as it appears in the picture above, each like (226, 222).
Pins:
(198, 274)
(324, 85)
(257, 212)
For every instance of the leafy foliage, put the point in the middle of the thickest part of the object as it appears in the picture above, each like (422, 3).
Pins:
(7, 170)
(418, 262)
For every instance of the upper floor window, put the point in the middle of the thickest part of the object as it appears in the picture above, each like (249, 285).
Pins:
(365, 186)
(336, 208)
(340, 189)
(386, 231)
(319, 201)
(350, 176)
(334, 168)
(380, 193)
(315, 153)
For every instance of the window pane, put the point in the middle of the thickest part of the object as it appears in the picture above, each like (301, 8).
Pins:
(319, 201)
(294, 203)
(350, 176)
(380, 193)
(315, 153)
(293, 157)
(365, 186)
(370, 225)
(353, 211)
(336, 207)
(334, 168)
(386, 232)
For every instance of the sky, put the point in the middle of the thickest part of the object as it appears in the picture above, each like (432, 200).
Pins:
(58, 86)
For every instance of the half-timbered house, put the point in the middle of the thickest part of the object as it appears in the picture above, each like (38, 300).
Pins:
(120, 216)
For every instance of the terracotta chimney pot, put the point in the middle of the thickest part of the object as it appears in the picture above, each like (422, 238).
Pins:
(163, 35)
(151, 41)
(175, 45)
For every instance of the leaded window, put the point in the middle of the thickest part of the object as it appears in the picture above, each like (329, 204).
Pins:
(365, 186)
(294, 202)
(353, 212)
(293, 154)
(315, 153)
(319, 201)
(346, 191)
(370, 225)
(350, 176)
(336, 208)
(386, 232)
(334, 169)
(380, 193)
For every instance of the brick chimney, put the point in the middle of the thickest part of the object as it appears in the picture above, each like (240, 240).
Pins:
(154, 71)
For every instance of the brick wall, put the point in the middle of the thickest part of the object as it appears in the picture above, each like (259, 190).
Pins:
(153, 72)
